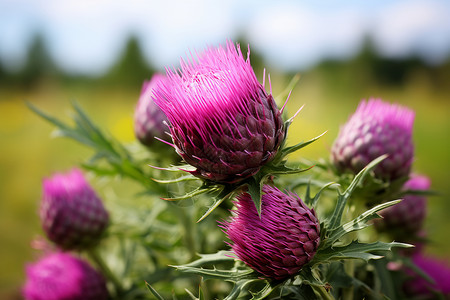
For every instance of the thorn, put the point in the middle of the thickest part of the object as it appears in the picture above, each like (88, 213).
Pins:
(292, 118)
(165, 142)
(270, 84)
(287, 99)
(264, 79)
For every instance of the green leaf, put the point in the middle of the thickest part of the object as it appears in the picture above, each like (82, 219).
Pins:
(313, 202)
(211, 259)
(255, 191)
(355, 250)
(153, 291)
(224, 195)
(176, 180)
(358, 223)
(264, 292)
(336, 217)
(239, 286)
(227, 275)
(191, 295)
(291, 149)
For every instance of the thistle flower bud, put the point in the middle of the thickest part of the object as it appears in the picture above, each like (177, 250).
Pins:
(222, 121)
(72, 215)
(281, 241)
(148, 117)
(61, 276)
(405, 219)
(376, 128)
(438, 271)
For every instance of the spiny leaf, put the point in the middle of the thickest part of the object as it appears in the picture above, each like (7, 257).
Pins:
(255, 191)
(336, 217)
(197, 191)
(289, 150)
(153, 291)
(210, 259)
(176, 180)
(227, 275)
(224, 195)
(355, 250)
(358, 223)
(239, 286)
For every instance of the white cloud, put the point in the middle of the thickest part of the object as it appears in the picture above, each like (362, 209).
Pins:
(414, 27)
(295, 37)
(86, 35)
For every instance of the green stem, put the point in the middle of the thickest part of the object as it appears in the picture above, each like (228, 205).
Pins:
(94, 255)
(349, 267)
(322, 292)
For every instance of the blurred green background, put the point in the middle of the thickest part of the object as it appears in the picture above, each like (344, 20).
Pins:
(330, 91)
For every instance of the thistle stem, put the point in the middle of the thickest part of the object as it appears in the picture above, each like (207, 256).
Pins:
(322, 292)
(94, 255)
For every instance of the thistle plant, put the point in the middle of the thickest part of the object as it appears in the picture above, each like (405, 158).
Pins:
(62, 276)
(303, 236)
(72, 215)
(149, 119)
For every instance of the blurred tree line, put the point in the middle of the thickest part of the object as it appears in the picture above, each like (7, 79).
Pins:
(131, 68)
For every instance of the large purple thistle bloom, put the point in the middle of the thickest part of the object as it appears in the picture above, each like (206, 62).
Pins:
(148, 117)
(62, 276)
(72, 215)
(280, 242)
(376, 128)
(222, 121)
(404, 220)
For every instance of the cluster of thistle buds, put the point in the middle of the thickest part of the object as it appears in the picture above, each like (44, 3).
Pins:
(224, 124)
(73, 218)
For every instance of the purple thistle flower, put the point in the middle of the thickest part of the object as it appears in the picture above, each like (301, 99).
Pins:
(72, 215)
(222, 121)
(148, 117)
(405, 219)
(62, 276)
(438, 271)
(281, 241)
(376, 128)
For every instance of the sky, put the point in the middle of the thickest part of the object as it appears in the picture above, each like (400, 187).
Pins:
(86, 36)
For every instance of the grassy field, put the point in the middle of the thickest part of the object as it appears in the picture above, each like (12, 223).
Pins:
(28, 153)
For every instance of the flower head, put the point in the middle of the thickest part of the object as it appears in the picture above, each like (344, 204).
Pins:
(281, 241)
(62, 276)
(376, 128)
(72, 215)
(222, 121)
(405, 220)
(438, 271)
(148, 117)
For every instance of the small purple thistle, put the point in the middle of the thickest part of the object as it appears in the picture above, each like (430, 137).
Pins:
(376, 128)
(148, 117)
(280, 242)
(222, 121)
(405, 220)
(437, 270)
(71, 213)
(62, 276)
